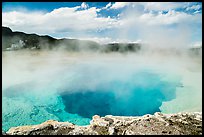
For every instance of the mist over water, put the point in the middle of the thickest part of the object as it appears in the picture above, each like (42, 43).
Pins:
(74, 86)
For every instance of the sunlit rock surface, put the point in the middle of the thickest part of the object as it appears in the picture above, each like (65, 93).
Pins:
(186, 123)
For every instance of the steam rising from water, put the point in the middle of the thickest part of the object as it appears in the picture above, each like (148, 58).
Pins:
(38, 86)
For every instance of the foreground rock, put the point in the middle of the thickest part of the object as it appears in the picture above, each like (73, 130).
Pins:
(157, 124)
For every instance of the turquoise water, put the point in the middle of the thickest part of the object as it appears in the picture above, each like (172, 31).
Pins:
(76, 95)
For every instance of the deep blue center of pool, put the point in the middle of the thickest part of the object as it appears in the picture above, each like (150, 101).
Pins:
(129, 98)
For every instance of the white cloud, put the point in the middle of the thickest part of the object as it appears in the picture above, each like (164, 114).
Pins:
(166, 19)
(62, 19)
(156, 19)
(159, 6)
(84, 5)
(193, 7)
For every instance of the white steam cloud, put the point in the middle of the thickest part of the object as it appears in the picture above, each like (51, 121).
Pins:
(67, 70)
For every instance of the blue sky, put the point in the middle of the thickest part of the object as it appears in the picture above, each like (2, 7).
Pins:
(107, 21)
(47, 6)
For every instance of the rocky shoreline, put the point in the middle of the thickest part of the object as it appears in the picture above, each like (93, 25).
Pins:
(185, 123)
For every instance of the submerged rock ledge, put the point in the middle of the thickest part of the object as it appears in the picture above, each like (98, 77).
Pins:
(185, 123)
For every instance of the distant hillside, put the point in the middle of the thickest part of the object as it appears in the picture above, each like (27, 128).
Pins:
(20, 40)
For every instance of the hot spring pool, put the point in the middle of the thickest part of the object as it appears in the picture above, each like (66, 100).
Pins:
(76, 92)
(30, 103)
